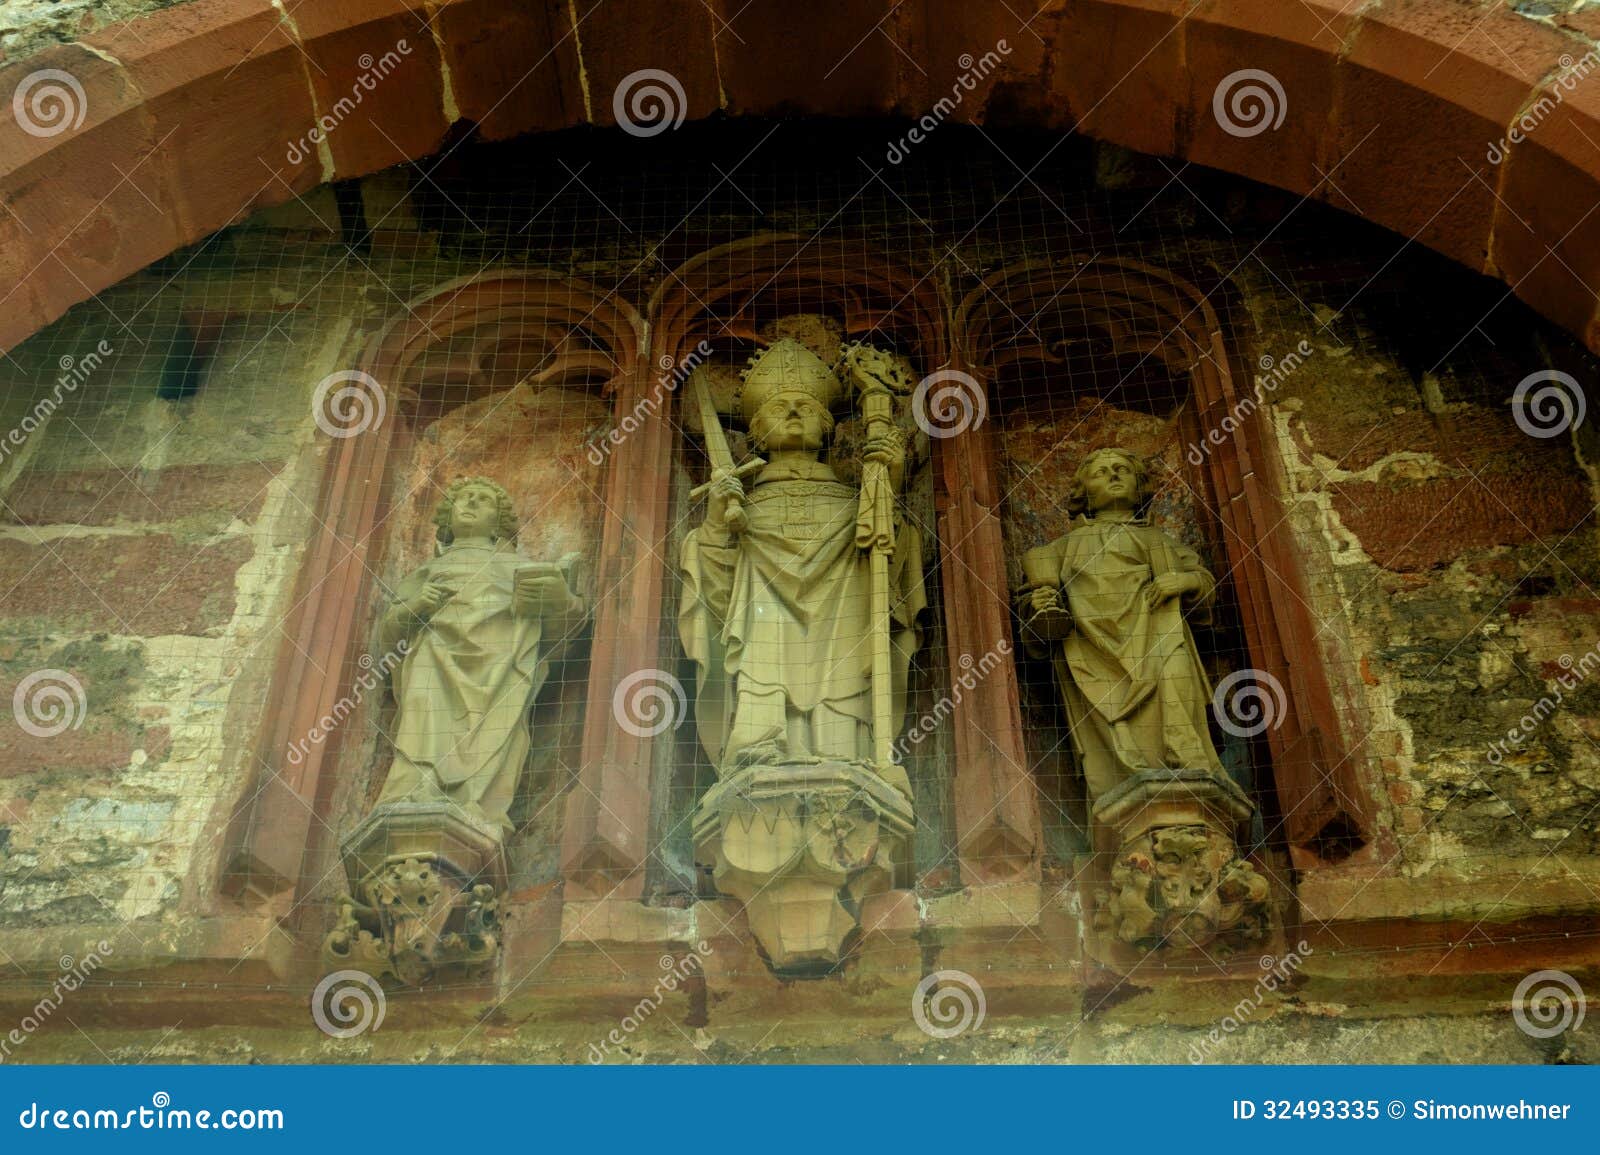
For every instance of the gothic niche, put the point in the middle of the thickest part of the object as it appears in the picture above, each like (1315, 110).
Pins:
(1111, 602)
(486, 603)
(802, 605)
(1118, 606)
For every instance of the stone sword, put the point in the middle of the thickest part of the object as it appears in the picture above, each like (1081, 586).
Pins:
(717, 450)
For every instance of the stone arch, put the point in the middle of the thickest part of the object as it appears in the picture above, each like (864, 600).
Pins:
(1145, 313)
(456, 344)
(1394, 112)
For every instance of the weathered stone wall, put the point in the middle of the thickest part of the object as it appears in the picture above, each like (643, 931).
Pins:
(151, 529)
(1454, 555)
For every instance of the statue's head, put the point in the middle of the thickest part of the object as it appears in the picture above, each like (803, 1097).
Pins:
(475, 507)
(787, 397)
(1109, 479)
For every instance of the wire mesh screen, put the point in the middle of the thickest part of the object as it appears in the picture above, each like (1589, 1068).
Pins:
(160, 500)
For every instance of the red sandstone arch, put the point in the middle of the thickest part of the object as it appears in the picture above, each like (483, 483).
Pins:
(191, 111)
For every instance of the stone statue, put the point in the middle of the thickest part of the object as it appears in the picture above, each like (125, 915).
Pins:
(480, 624)
(1111, 602)
(800, 609)
(478, 627)
(1114, 597)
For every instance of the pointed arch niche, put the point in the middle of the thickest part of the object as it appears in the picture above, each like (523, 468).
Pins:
(483, 360)
(972, 793)
(1084, 353)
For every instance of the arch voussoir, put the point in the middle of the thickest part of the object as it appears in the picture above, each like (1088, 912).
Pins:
(1472, 130)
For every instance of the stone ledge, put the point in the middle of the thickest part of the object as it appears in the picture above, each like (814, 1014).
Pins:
(1513, 889)
(254, 949)
(1471, 1030)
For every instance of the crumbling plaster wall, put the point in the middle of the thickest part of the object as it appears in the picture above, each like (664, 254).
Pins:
(148, 546)
(1454, 560)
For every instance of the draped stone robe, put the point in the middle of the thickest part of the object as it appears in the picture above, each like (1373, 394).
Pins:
(1130, 676)
(777, 621)
(466, 684)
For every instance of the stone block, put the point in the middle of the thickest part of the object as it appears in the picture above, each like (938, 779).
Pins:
(1118, 69)
(136, 585)
(104, 497)
(513, 65)
(621, 40)
(1408, 526)
(376, 74)
(1274, 66)
(1429, 88)
(840, 60)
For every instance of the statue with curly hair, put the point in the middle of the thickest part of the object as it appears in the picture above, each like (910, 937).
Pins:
(1111, 602)
(480, 626)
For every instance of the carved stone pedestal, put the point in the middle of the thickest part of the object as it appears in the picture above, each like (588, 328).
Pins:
(424, 880)
(1177, 882)
(801, 844)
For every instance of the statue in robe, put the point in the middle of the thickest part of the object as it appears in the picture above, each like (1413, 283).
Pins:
(476, 630)
(800, 609)
(776, 614)
(481, 625)
(1111, 601)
